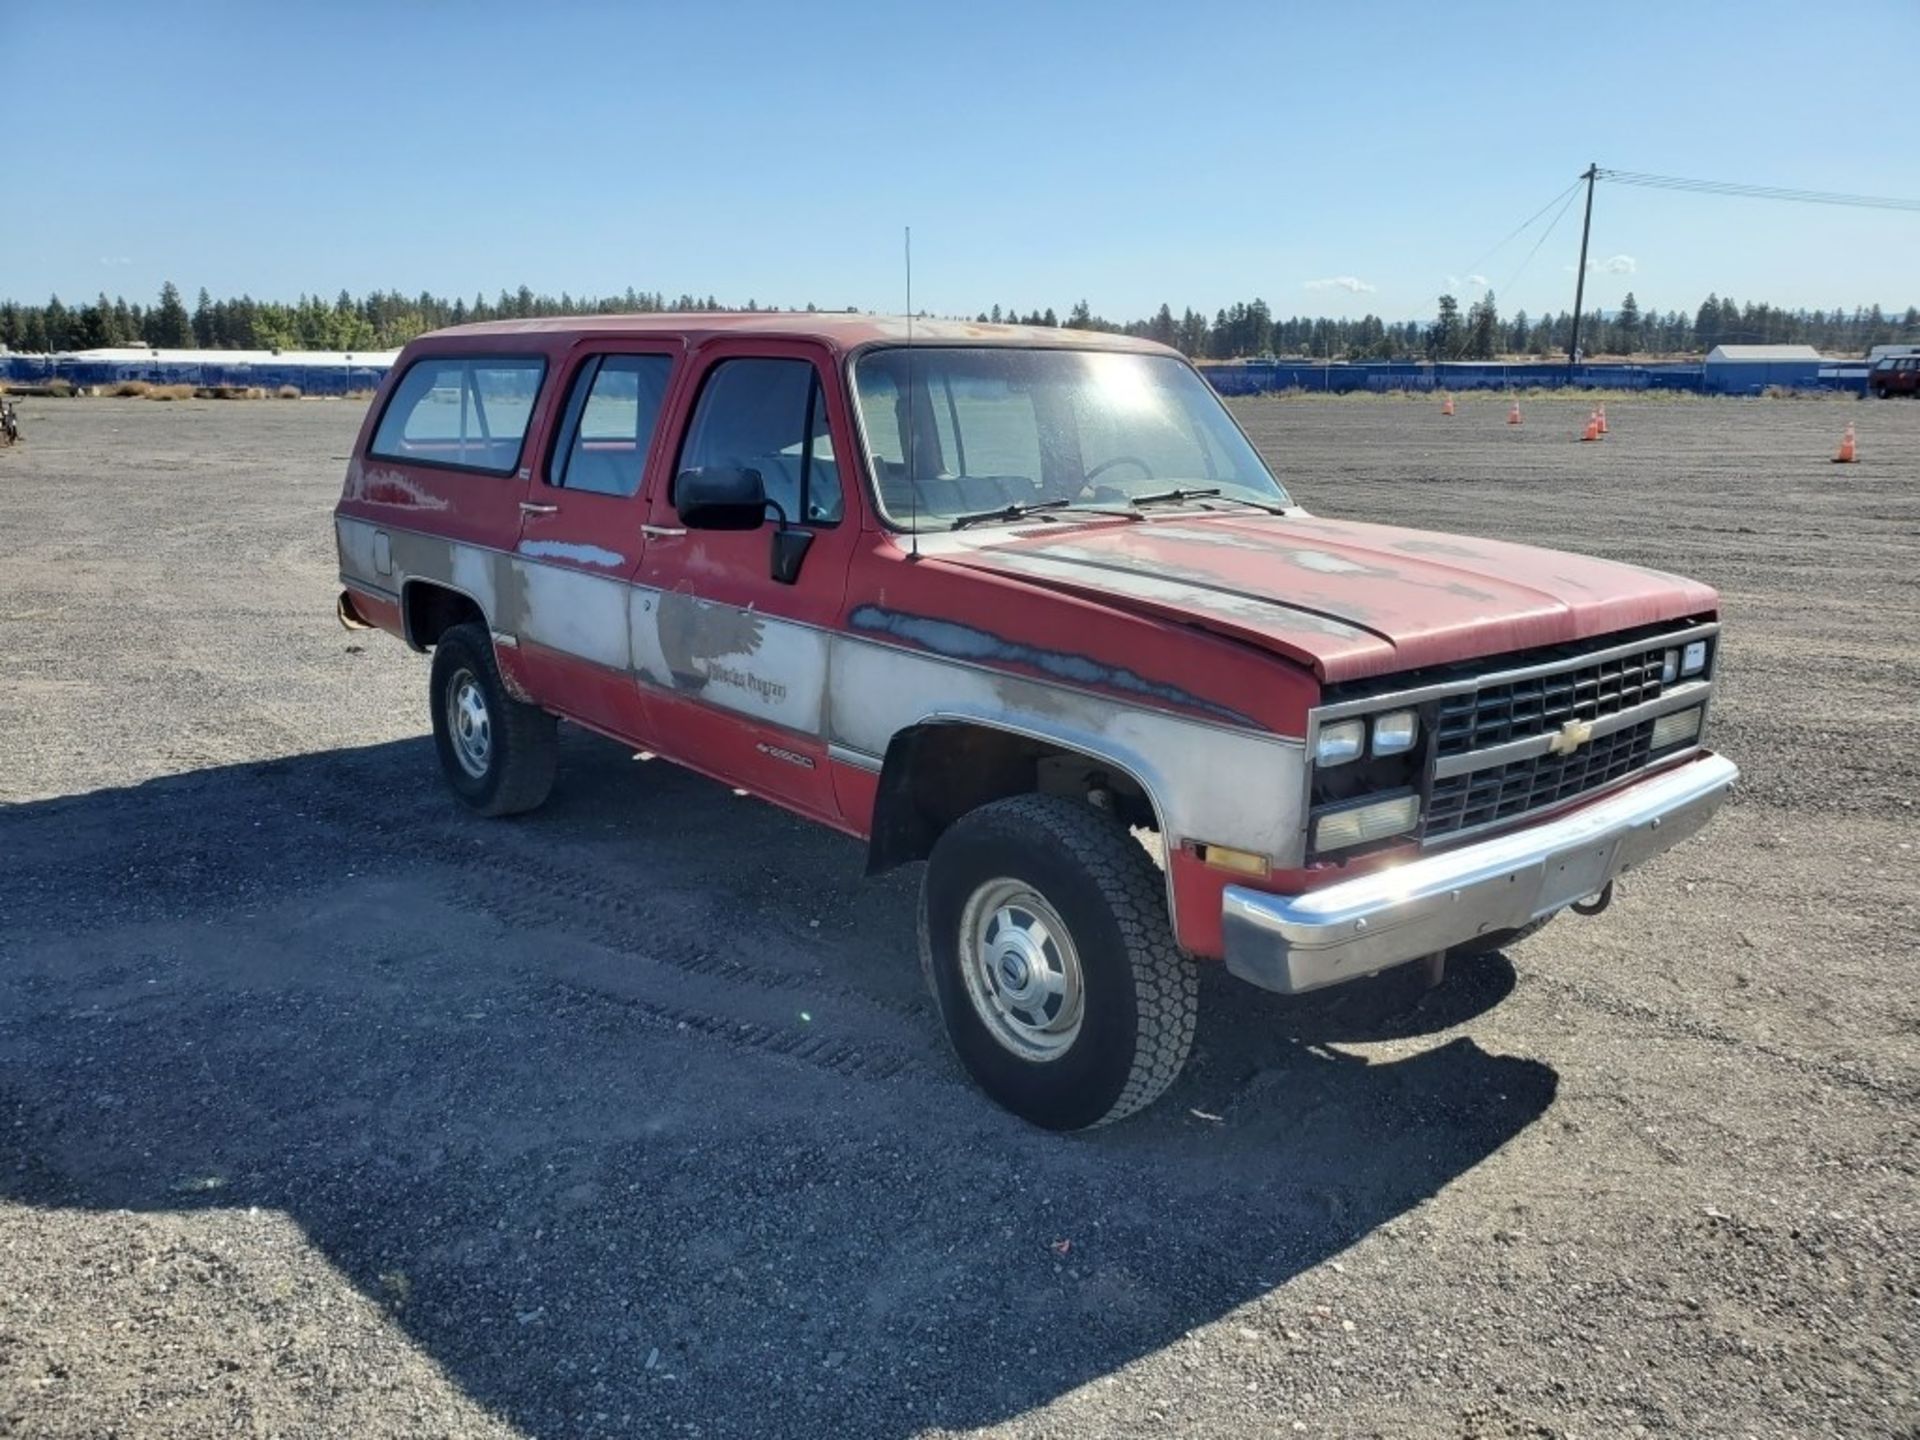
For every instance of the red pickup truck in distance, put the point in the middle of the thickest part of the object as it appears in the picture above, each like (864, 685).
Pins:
(1025, 605)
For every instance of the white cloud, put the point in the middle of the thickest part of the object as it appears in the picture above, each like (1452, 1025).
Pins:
(1612, 265)
(1353, 284)
(1468, 282)
(115, 261)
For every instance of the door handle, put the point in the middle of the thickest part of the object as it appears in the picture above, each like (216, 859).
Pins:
(528, 507)
(662, 532)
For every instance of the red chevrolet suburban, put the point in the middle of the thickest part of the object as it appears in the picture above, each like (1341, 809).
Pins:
(1026, 605)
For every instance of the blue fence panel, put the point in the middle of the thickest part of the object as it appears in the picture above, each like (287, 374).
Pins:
(1756, 377)
(308, 379)
(1260, 377)
(1267, 376)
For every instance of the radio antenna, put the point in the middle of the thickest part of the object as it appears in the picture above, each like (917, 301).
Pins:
(913, 485)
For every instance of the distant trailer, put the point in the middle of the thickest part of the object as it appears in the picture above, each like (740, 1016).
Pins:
(1755, 369)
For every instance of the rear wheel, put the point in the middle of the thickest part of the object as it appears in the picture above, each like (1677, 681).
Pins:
(1044, 936)
(498, 753)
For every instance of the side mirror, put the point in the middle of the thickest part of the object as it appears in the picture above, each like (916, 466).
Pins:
(720, 497)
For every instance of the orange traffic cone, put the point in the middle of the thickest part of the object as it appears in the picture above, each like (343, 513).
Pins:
(1446, 406)
(1592, 432)
(1844, 455)
(1513, 415)
(1602, 413)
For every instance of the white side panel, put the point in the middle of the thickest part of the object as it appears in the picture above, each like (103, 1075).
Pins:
(473, 573)
(1209, 783)
(576, 614)
(643, 627)
(355, 539)
(738, 659)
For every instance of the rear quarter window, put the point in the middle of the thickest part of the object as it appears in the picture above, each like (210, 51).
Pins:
(466, 411)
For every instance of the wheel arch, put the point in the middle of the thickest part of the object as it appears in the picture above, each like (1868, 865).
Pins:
(430, 608)
(946, 764)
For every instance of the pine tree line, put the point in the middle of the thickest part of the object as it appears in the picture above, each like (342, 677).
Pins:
(384, 320)
(1245, 331)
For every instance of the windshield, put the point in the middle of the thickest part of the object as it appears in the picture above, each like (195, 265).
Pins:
(999, 428)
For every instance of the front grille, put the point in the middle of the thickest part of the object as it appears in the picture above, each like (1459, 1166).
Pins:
(1500, 792)
(1469, 710)
(1519, 709)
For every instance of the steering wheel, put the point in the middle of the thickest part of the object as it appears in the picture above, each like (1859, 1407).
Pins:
(1106, 465)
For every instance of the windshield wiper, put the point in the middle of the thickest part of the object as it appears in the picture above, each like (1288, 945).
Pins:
(1037, 507)
(1008, 512)
(1173, 496)
(1212, 492)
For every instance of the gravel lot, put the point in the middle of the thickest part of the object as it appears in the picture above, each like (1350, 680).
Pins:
(326, 1109)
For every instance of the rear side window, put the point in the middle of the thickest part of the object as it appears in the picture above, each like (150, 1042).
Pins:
(466, 411)
(770, 416)
(611, 414)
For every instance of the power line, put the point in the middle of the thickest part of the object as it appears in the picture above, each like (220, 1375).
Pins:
(1571, 194)
(1496, 249)
(1757, 192)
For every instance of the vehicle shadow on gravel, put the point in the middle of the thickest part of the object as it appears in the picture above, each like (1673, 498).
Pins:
(614, 1179)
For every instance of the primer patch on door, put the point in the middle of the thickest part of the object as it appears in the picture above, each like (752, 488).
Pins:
(567, 550)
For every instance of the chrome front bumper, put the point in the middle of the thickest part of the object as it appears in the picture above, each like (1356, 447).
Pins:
(1354, 928)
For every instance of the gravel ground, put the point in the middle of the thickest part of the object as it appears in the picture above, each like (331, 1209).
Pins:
(326, 1109)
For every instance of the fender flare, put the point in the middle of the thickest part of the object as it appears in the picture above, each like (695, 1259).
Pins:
(908, 835)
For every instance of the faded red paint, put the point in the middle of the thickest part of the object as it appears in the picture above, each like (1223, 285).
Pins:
(1351, 600)
(1268, 608)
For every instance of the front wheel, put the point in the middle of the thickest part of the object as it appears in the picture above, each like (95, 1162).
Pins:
(1045, 941)
(498, 752)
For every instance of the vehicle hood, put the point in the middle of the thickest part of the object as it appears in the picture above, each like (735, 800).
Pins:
(1350, 600)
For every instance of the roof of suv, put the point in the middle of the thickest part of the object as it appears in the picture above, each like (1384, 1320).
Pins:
(840, 332)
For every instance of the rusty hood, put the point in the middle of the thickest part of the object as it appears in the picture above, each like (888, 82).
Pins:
(1351, 600)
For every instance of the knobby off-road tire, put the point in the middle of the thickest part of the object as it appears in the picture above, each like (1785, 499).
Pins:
(498, 753)
(1500, 939)
(1012, 871)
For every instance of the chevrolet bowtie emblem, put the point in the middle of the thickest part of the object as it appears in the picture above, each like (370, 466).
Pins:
(1570, 737)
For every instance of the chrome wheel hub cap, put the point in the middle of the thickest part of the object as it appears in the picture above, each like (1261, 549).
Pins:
(1022, 971)
(468, 724)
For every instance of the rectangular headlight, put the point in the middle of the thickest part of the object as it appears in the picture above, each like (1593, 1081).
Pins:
(1694, 658)
(1340, 742)
(1674, 728)
(1394, 734)
(1343, 829)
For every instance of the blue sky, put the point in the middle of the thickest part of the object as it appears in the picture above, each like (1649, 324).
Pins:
(1043, 152)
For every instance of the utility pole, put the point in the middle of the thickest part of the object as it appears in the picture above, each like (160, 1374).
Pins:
(1591, 174)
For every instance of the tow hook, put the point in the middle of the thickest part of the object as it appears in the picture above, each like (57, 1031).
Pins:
(1594, 904)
